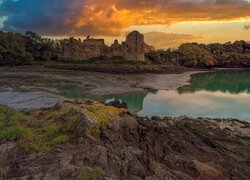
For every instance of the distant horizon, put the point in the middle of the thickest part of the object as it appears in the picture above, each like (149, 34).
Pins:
(165, 24)
(110, 40)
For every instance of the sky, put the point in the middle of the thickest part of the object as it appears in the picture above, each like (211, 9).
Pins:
(164, 23)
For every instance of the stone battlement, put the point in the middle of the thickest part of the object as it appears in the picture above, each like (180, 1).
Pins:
(132, 49)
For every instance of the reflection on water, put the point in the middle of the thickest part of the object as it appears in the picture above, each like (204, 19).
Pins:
(199, 104)
(134, 100)
(217, 95)
(224, 81)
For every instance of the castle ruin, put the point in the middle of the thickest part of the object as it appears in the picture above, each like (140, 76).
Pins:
(133, 49)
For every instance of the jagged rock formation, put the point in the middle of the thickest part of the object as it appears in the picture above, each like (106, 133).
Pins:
(88, 140)
(132, 49)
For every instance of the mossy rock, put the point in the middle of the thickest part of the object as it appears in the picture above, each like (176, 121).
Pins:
(43, 129)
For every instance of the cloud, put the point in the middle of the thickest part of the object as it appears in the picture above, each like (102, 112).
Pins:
(2, 20)
(165, 40)
(112, 17)
(247, 27)
(42, 16)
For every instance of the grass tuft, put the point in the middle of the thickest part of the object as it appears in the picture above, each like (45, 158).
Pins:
(14, 132)
(59, 140)
(94, 174)
(51, 130)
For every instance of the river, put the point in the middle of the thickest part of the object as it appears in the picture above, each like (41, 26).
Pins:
(220, 94)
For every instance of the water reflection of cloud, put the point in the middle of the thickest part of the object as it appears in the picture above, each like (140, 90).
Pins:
(229, 95)
(199, 104)
(201, 99)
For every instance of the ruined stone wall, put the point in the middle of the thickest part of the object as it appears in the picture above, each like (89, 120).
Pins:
(93, 42)
(93, 47)
(132, 49)
(116, 49)
(71, 50)
(92, 51)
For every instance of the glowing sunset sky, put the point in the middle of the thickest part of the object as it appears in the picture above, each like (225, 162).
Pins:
(165, 23)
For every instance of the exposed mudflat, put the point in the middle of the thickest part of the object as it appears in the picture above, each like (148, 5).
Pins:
(28, 100)
(29, 86)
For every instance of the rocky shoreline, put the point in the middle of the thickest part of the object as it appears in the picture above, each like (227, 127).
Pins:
(89, 140)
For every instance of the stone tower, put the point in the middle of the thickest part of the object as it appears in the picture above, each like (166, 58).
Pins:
(134, 47)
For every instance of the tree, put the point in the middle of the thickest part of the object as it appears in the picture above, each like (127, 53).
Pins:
(162, 56)
(193, 54)
(153, 56)
(12, 50)
(41, 48)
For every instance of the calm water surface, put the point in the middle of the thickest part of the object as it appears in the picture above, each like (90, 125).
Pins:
(224, 94)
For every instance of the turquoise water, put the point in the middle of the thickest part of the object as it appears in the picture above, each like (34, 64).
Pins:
(224, 94)
(134, 100)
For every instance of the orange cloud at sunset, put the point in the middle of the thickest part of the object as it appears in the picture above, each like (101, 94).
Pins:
(176, 21)
(113, 16)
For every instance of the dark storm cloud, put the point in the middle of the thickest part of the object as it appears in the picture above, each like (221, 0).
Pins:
(43, 16)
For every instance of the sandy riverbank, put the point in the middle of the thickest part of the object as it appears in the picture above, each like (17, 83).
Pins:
(95, 83)
(23, 88)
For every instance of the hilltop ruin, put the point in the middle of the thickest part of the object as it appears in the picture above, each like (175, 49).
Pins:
(133, 49)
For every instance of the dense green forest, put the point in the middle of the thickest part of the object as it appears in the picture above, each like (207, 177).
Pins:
(19, 49)
(235, 54)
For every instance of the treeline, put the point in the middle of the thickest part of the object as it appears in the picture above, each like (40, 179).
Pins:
(235, 54)
(18, 49)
